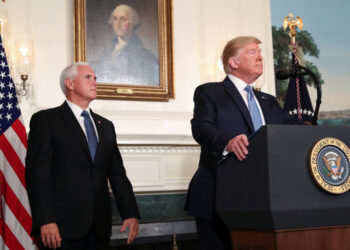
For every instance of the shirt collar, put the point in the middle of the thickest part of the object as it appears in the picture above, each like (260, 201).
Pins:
(76, 109)
(240, 84)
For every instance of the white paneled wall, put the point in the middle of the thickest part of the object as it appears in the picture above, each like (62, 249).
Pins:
(160, 168)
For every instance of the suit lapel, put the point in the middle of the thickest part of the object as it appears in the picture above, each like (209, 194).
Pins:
(231, 89)
(98, 125)
(70, 119)
(263, 105)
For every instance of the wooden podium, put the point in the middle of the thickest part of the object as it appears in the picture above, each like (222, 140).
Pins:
(270, 201)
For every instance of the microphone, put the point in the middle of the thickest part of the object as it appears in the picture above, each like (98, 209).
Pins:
(284, 74)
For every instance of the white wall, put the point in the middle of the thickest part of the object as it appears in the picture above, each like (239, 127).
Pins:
(201, 28)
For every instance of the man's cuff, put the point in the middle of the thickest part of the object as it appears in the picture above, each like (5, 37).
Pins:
(225, 152)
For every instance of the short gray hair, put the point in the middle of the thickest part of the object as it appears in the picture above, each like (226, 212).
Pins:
(133, 16)
(70, 72)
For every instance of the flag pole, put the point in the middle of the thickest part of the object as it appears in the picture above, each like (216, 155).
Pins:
(293, 23)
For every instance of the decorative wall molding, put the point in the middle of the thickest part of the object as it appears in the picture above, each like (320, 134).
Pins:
(155, 168)
(159, 149)
(155, 139)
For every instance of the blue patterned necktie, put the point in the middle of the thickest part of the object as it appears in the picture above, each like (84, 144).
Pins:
(253, 108)
(91, 134)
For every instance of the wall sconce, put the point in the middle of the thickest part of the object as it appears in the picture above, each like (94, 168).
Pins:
(2, 26)
(3, 22)
(22, 65)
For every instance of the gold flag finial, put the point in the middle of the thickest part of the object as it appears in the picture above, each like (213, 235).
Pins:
(292, 23)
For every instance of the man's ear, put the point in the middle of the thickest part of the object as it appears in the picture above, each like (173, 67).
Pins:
(68, 83)
(233, 62)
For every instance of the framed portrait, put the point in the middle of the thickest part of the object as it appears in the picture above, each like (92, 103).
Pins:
(129, 44)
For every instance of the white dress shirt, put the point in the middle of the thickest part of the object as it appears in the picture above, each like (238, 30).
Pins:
(118, 48)
(77, 113)
(240, 85)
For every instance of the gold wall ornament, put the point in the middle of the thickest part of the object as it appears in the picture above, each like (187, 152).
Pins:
(292, 23)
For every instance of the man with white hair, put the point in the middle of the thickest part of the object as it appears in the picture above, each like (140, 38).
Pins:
(126, 60)
(72, 154)
(124, 21)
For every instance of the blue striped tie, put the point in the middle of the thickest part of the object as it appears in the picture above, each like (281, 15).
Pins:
(253, 108)
(91, 134)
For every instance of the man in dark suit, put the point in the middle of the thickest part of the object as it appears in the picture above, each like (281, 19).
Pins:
(225, 115)
(72, 153)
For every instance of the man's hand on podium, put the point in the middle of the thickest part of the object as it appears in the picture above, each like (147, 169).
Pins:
(238, 145)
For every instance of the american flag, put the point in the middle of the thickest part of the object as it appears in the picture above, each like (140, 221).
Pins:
(305, 111)
(15, 221)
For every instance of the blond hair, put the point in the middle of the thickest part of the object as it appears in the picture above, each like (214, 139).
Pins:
(232, 47)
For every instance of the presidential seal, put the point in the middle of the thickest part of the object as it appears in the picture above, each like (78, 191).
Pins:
(329, 165)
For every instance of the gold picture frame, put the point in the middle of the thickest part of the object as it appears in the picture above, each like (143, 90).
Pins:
(162, 91)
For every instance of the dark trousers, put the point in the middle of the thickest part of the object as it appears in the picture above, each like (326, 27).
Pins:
(90, 242)
(212, 235)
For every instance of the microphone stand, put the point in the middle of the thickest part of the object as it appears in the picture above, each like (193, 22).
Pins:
(298, 68)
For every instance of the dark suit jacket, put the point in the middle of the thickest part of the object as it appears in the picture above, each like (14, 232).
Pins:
(220, 114)
(64, 185)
